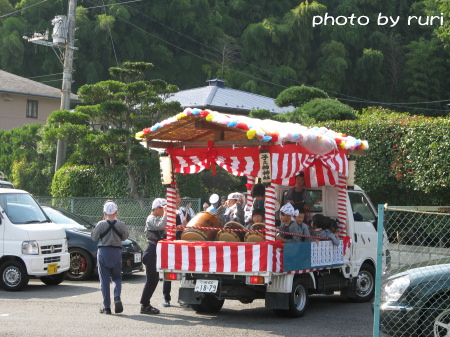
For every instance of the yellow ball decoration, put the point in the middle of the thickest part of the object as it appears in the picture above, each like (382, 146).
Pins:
(210, 117)
(251, 134)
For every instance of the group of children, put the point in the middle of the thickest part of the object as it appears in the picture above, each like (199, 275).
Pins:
(293, 222)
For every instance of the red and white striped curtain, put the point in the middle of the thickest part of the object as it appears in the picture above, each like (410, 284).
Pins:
(286, 163)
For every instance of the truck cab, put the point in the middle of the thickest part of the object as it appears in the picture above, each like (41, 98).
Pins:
(30, 244)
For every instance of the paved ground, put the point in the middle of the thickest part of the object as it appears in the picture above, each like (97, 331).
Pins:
(71, 309)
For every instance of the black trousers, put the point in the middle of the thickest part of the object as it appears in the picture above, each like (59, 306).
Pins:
(149, 260)
(167, 287)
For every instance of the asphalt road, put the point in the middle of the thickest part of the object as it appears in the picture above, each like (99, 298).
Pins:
(72, 309)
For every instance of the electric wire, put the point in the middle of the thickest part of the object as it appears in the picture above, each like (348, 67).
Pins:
(355, 99)
(110, 35)
(22, 9)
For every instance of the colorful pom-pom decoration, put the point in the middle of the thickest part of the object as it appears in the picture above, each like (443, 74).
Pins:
(251, 134)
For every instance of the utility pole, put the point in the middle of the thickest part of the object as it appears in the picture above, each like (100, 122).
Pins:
(64, 38)
(67, 79)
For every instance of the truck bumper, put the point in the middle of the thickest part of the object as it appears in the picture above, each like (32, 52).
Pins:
(37, 265)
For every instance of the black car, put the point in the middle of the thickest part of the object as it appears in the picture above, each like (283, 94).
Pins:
(83, 250)
(416, 302)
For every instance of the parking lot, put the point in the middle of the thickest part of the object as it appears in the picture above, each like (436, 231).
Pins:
(72, 309)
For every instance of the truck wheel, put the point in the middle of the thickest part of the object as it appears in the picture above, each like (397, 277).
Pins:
(81, 265)
(364, 284)
(53, 280)
(298, 299)
(209, 304)
(14, 276)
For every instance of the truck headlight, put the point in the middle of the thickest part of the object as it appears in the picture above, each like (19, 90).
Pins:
(66, 246)
(30, 248)
(394, 289)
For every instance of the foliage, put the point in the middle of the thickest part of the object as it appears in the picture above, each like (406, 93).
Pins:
(125, 106)
(322, 109)
(30, 176)
(27, 167)
(298, 95)
(408, 157)
(260, 46)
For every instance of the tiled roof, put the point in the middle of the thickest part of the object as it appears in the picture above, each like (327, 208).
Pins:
(21, 85)
(217, 97)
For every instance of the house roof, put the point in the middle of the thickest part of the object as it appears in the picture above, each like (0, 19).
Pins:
(216, 96)
(11, 83)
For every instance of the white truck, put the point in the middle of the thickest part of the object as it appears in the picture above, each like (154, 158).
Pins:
(282, 274)
(30, 244)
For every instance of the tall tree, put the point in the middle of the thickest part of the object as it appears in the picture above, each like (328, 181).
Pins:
(127, 105)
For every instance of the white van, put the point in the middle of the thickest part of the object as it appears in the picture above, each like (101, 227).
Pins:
(30, 244)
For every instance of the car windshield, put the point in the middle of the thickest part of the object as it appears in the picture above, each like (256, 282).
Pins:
(66, 219)
(21, 208)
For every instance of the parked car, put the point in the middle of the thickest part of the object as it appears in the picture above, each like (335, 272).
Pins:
(6, 184)
(83, 250)
(416, 302)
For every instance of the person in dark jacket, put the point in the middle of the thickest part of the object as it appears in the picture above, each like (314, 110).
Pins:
(110, 233)
(154, 231)
(298, 196)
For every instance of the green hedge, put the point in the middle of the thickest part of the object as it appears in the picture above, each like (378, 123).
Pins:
(98, 181)
(409, 158)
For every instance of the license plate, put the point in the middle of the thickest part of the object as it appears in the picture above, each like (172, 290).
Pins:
(206, 286)
(137, 257)
(52, 268)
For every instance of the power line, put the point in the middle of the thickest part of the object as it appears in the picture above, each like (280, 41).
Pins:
(356, 99)
(44, 75)
(22, 9)
(117, 3)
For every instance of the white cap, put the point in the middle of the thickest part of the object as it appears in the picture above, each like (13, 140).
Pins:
(159, 202)
(288, 209)
(213, 198)
(235, 196)
(110, 208)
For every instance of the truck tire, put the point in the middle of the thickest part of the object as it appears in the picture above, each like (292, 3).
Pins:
(364, 284)
(209, 304)
(53, 280)
(298, 300)
(13, 275)
(81, 265)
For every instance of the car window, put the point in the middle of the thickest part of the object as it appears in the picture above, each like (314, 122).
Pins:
(361, 205)
(21, 208)
(57, 217)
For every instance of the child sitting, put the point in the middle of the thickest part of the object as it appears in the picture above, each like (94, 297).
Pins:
(288, 225)
(258, 216)
(321, 225)
(299, 219)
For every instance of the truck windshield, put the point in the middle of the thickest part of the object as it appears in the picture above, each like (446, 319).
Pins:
(362, 206)
(21, 208)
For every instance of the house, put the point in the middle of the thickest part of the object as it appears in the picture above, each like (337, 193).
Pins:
(217, 97)
(24, 101)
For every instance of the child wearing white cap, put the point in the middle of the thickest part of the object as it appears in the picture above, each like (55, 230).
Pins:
(289, 226)
(214, 201)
